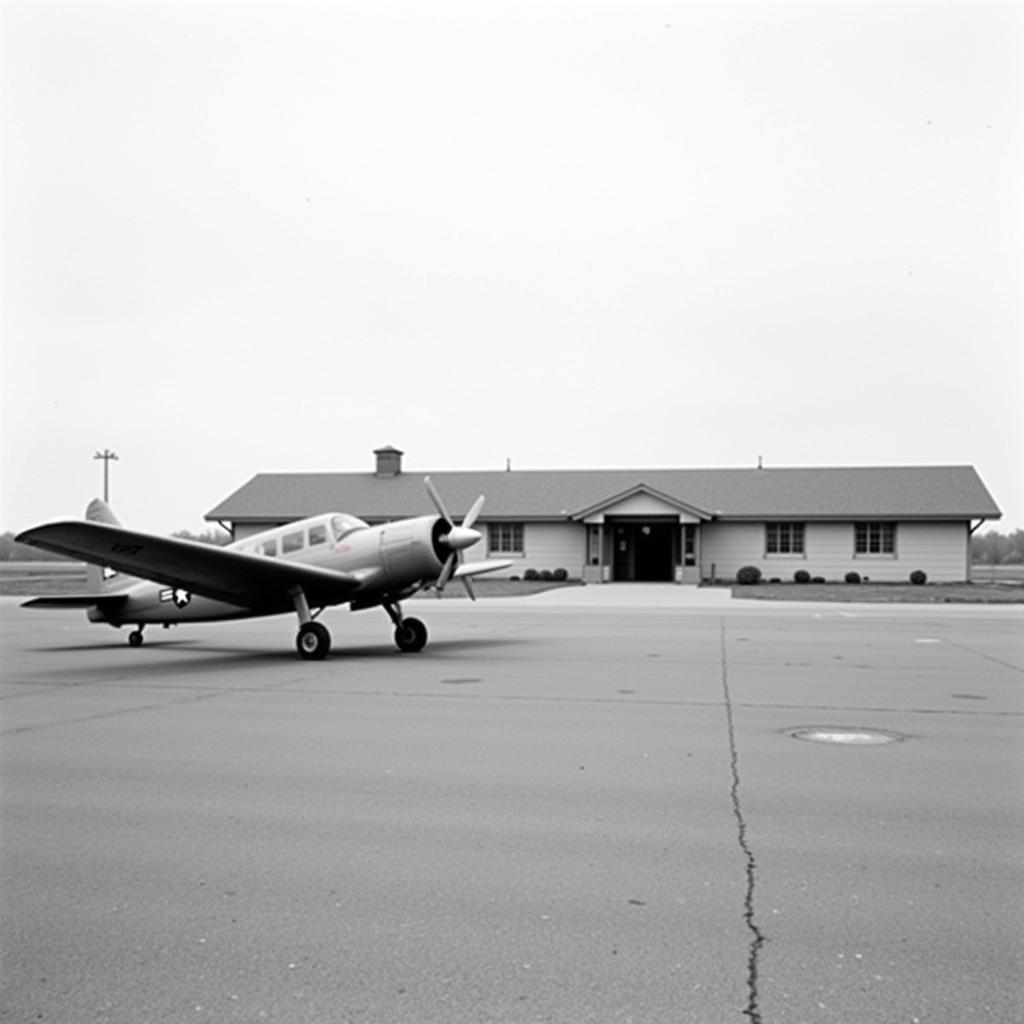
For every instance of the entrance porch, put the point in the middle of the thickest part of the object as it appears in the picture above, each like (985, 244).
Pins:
(642, 537)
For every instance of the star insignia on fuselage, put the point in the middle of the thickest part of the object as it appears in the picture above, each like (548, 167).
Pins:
(178, 595)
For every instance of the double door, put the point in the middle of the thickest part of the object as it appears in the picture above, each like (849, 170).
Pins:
(645, 551)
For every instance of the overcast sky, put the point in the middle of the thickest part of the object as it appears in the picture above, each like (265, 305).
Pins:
(244, 237)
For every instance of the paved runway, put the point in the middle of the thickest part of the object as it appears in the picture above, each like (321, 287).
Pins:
(556, 812)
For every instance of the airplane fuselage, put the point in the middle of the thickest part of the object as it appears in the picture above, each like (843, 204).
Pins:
(391, 560)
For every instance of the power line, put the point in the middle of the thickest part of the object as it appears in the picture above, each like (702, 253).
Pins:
(106, 455)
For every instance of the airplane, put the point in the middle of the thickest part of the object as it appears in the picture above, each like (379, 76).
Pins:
(316, 563)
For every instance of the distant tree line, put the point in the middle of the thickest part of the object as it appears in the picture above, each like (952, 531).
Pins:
(12, 551)
(994, 548)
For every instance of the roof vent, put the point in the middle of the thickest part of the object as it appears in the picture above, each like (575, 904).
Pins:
(389, 461)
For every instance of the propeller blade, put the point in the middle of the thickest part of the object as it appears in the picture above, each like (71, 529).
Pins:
(446, 572)
(436, 499)
(473, 512)
(468, 584)
(457, 538)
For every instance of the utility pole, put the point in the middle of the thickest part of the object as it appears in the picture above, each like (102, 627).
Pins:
(106, 455)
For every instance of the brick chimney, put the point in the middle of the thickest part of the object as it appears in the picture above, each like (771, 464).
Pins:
(389, 461)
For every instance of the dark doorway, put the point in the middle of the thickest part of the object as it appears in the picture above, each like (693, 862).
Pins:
(645, 551)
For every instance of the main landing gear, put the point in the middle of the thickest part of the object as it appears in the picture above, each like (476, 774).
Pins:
(313, 641)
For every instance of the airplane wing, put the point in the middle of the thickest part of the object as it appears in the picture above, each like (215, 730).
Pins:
(250, 581)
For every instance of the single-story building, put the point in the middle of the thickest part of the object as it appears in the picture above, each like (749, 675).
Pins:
(685, 525)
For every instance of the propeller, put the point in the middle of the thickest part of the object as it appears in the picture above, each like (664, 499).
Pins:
(456, 539)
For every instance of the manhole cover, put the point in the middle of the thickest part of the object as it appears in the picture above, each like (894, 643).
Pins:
(846, 736)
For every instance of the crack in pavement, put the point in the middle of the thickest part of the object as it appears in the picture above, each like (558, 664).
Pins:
(987, 657)
(757, 937)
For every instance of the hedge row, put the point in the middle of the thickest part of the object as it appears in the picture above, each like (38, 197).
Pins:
(751, 574)
(546, 575)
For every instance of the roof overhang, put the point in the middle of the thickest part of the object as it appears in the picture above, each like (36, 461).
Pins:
(852, 517)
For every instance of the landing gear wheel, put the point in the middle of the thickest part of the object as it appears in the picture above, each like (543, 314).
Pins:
(411, 636)
(135, 638)
(313, 641)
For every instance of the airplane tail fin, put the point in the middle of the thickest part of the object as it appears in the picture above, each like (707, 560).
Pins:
(106, 590)
(98, 511)
(101, 580)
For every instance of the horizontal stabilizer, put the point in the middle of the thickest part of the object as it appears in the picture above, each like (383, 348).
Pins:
(76, 601)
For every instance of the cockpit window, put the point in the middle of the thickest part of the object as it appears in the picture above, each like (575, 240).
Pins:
(343, 525)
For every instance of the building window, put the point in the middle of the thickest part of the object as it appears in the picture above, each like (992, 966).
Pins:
(690, 544)
(784, 539)
(874, 539)
(505, 538)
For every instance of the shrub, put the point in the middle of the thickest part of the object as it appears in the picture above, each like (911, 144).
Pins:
(560, 575)
(547, 575)
(817, 579)
(801, 576)
(530, 574)
(748, 575)
(514, 579)
(853, 577)
(918, 577)
(775, 579)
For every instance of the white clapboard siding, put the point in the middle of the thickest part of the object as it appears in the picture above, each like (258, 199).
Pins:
(545, 546)
(938, 549)
(725, 547)
(555, 546)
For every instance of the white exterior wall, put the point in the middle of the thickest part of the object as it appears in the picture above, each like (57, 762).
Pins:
(939, 549)
(545, 546)
(243, 530)
(726, 547)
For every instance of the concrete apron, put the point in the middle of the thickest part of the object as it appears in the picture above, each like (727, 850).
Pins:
(631, 595)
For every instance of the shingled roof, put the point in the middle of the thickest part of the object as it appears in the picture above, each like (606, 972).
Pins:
(888, 492)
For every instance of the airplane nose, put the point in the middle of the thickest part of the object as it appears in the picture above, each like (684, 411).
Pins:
(460, 537)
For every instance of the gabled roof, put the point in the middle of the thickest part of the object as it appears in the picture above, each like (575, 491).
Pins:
(609, 502)
(887, 492)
